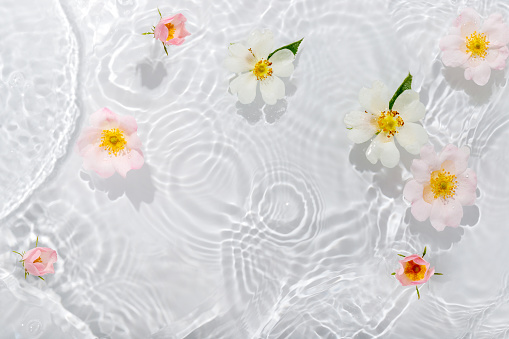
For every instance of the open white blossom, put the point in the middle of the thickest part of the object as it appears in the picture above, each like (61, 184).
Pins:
(386, 124)
(254, 66)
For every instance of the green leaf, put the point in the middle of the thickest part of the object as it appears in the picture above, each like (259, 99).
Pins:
(393, 273)
(159, 12)
(18, 253)
(294, 46)
(401, 255)
(41, 278)
(36, 241)
(349, 128)
(418, 294)
(438, 274)
(424, 253)
(165, 49)
(406, 84)
(147, 33)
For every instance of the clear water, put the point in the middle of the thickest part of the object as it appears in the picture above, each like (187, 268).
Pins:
(246, 221)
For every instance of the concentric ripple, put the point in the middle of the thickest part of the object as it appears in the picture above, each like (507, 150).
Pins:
(38, 91)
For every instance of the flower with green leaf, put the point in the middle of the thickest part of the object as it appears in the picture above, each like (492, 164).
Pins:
(256, 62)
(384, 119)
(170, 30)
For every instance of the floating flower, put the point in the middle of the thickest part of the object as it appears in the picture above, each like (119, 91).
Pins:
(386, 122)
(442, 184)
(414, 270)
(476, 47)
(258, 65)
(170, 30)
(110, 144)
(38, 261)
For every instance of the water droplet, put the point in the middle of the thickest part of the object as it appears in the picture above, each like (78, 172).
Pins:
(34, 326)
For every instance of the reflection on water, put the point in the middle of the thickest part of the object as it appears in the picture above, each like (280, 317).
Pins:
(247, 221)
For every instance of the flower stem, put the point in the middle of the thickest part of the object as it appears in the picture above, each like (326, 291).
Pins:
(438, 274)
(401, 255)
(424, 253)
(418, 294)
(18, 253)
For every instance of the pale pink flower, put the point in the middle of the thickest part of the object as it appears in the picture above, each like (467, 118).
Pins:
(442, 184)
(39, 261)
(171, 30)
(110, 144)
(476, 47)
(414, 270)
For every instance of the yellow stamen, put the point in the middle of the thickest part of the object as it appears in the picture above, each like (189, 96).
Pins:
(171, 31)
(388, 122)
(38, 260)
(262, 69)
(414, 271)
(477, 44)
(113, 141)
(443, 184)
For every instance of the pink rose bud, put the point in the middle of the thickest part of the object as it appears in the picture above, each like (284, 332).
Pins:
(39, 261)
(171, 30)
(414, 270)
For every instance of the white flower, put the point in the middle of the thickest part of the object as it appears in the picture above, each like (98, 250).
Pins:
(387, 124)
(254, 67)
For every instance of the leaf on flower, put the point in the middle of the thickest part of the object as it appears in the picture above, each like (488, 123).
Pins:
(393, 273)
(401, 255)
(294, 46)
(165, 49)
(418, 294)
(424, 253)
(406, 84)
(438, 274)
(159, 12)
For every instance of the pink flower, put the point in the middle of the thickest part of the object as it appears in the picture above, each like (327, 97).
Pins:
(110, 144)
(171, 30)
(442, 184)
(475, 47)
(414, 270)
(39, 261)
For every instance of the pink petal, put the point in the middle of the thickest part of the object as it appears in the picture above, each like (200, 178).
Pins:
(32, 255)
(445, 213)
(90, 135)
(124, 163)
(31, 268)
(468, 21)
(412, 191)
(127, 124)
(161, 32)
(175, 41)
(467, 185)
(102, 117)
(454, 159)
(496, 57)
(455, 58)
(429, 156)
(98, 160)
(133, 142)
(421, 210)
(421, 171)
(480, 74)
(496, 30)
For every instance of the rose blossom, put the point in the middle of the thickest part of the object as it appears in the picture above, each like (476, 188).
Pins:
(384, 124)
(414, 270)
(254, 66)
(110, 144)
(476, 47)
(39, 261)
(442, 184)
(171, 30)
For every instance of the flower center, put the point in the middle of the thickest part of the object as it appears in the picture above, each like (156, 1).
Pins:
(113, 141)
(171, 31)
(38, 260)
(262, 69)
(443, 184)
(414, 271)
(388, 122)
(477, 45)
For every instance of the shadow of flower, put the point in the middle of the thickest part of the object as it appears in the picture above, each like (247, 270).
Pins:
(152, 73)
(137, 186)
